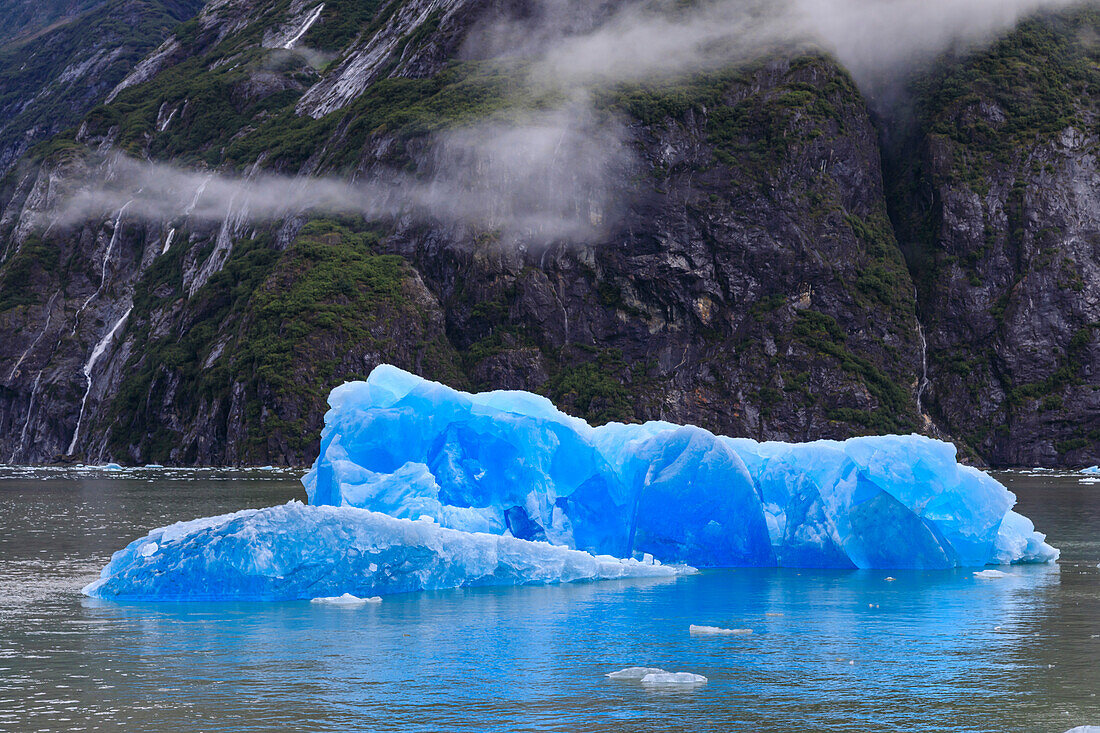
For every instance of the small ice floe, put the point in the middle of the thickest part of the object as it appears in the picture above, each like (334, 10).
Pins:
(635, 673)
(990, 574)
(112, 467)
(1085, 729)
(347, 600)
(890, 579)
(1093, 470)
(152, 465)
(716, 631)
(771, 613)
(673, 679)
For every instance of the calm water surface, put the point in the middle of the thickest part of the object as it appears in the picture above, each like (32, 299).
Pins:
(831, 651)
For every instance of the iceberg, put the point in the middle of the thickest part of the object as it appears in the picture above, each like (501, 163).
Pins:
(300, 552)
(510, 463)
(418, 487)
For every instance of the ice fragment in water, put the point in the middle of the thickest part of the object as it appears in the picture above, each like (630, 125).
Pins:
(990, 574)
(635, 673)
(346, 600)
(511, 463)
(674, 679)
(715, 631)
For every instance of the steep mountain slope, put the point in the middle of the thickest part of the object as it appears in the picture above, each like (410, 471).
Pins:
(717, 249)
(1002, 191)
(58, 59)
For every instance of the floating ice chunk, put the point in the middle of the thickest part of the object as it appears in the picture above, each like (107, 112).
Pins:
(112, 467)
(635, 673)
(152, 465)
(511, 463)
(1085, 729)
(715, 631)
(296, 551)
(1091, 470)
(673, 679)
(347, 600)
(990, 574)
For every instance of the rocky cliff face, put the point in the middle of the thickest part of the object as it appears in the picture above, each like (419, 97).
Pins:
(735, 263)
(1003, 227)
(58, 59)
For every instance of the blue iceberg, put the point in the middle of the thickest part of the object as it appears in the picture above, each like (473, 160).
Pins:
(511, 463)
(418, 486)
(295, 551)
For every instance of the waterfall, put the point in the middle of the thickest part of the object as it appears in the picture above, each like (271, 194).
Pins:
(924, 383)
(164, 125)
(223, 245)
(49, 316)
(168, 241)
(27, 421)
(106, 261)
(198, 193)
(97, 352)
(305, 26)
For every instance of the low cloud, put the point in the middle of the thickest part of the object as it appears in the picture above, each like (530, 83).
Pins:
(546, 178)
(879, 41)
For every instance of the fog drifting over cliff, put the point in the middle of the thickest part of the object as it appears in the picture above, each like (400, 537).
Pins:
(557, 174)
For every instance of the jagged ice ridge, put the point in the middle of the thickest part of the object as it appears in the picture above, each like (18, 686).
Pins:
(511, 463)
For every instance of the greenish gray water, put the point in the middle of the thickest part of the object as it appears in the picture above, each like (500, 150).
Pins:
(831, 651)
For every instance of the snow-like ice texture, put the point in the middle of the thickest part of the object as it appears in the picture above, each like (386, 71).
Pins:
(297, 551)
(511, 463)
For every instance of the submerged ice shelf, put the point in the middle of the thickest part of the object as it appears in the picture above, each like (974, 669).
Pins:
(419, 486)
(295, 551)
(511, 463)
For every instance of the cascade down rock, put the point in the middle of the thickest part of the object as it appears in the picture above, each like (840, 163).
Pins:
(510, 463)
(297, 552)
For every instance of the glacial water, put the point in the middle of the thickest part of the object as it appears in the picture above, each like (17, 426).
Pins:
(830, 651)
